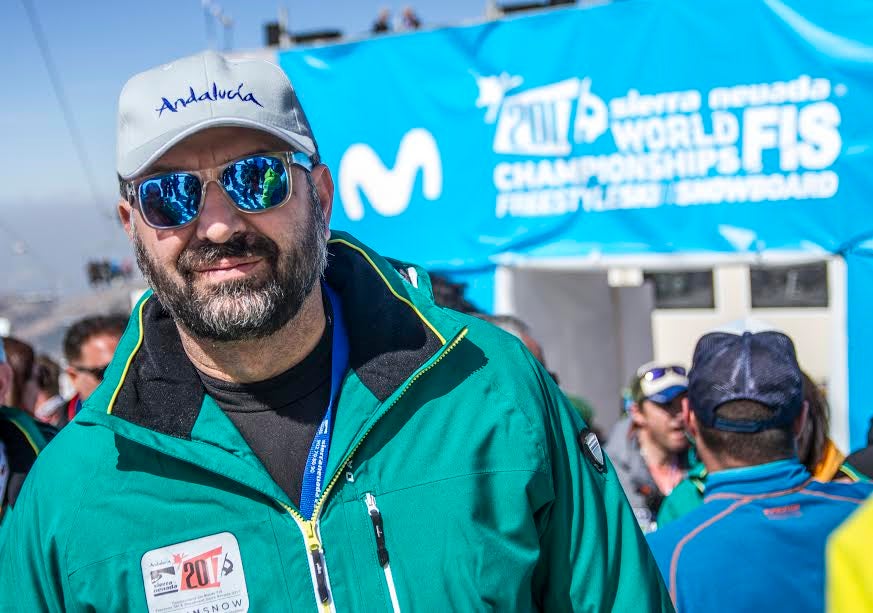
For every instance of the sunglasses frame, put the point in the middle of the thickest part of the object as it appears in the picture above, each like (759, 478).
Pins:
(130, 187)
(674, 368)
(98, 372)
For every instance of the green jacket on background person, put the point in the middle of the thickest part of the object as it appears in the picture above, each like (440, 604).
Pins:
(688, 495)
(22, 439)
(459, 479)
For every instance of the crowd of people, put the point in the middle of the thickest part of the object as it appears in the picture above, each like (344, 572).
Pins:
(736, 444)
(33, 409)
(731, 473)
(102, 273)
(289, 419)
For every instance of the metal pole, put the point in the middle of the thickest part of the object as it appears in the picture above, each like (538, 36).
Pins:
(207, 16)
(227, 22)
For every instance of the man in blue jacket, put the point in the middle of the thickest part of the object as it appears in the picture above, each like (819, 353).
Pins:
(758, 541)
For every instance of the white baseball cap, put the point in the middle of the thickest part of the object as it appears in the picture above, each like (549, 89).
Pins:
(160, 107)
(660, 382)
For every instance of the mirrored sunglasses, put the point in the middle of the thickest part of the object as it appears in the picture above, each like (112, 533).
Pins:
(653, 374)
(254, 184)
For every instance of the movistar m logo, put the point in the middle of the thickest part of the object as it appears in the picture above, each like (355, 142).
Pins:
(210, 95)
(389, 191)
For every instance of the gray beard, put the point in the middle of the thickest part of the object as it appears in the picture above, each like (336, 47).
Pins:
(241, 309)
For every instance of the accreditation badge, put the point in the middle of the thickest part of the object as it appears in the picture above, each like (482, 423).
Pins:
(205, 574)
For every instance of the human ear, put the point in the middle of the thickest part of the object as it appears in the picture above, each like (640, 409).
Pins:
(324, 186)
(125, 213)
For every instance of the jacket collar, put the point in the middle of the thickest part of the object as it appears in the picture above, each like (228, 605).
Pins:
(393, 331)
(756, 480)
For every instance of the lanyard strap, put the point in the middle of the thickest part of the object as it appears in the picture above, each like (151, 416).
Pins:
(313, 474)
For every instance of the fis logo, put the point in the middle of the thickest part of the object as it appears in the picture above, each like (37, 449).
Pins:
(541, 120)
(389, 190)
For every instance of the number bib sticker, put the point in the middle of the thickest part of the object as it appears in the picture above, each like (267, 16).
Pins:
(205, 574)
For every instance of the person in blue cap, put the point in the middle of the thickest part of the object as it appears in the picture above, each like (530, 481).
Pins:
(758, 541)
(650, 449)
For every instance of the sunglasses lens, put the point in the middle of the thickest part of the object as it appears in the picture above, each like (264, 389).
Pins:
(170, 200)
(256, 183)
(656, 373)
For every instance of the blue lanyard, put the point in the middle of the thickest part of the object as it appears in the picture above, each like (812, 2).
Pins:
(313, 474)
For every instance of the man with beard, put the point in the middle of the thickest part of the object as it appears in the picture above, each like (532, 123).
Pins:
(290, 422)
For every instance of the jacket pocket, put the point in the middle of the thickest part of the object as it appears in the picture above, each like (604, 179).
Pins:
(381, 548)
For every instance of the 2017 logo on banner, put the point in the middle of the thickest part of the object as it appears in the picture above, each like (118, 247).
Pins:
(750, 142)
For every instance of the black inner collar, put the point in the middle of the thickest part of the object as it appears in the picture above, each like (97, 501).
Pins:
(388, 341)
(277, 392)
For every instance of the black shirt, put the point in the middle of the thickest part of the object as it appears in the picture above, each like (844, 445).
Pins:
(278, 417)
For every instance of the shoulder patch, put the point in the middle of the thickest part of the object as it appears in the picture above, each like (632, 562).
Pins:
(591, 449)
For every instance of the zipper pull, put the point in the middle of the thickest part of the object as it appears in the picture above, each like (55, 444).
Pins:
(378, 529)
(320, 580)
(317, 562)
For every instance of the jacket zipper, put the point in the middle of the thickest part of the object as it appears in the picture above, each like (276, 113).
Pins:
(320, 502)
(381, 549)
(318, 563)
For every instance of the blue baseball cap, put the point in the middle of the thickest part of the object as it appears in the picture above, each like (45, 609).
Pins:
(2, 352)
(761, 367)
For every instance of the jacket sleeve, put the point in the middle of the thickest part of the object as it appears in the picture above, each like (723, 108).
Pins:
(593, 554)
(849, 576)
(30, 578)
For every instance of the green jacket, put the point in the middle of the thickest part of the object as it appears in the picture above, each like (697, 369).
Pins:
(455, 483)
(686, 496)
(21, 440)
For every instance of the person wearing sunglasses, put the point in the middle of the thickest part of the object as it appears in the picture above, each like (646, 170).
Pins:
(650, 447)
(290, 422)
(89, 345)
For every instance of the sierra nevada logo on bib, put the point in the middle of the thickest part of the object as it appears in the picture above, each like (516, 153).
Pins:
(194, 575)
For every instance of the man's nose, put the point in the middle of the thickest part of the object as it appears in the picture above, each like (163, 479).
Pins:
(219, 219)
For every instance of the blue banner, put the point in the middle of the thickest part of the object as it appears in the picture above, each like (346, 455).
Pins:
(629, 128)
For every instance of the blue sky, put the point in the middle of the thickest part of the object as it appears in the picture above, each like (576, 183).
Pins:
(96, 45)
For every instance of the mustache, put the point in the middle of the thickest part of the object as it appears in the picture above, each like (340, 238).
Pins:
(243, 245)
